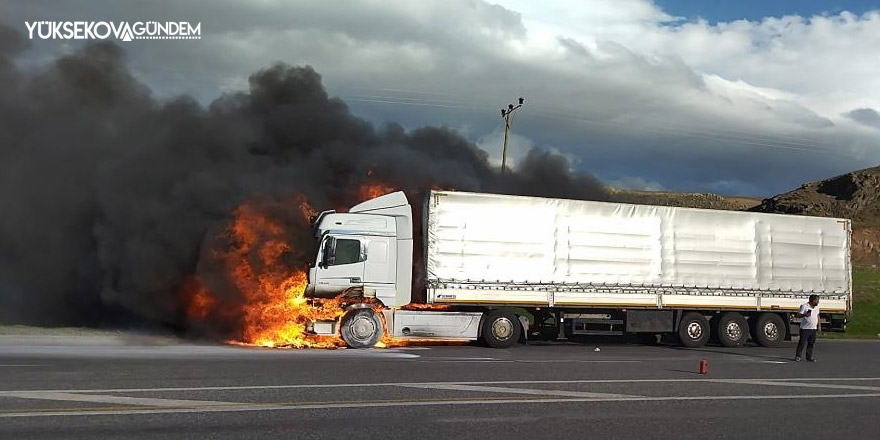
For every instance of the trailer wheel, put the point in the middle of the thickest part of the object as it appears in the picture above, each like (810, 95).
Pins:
(501, 329)
(732, 329)
(361, 328)
(769, 330)
(693, 331)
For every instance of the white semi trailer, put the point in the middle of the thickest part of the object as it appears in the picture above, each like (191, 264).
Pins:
(506, 267)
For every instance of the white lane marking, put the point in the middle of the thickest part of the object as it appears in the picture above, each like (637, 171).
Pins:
(824, 378)
(391, 384)
(467, 362)
(551, 361)
(120, 400)
(798, 384)
(534, 392)
(510, 361)
(22, 365)
(352, 405)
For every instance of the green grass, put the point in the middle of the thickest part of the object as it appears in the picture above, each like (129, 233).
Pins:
(865, 320)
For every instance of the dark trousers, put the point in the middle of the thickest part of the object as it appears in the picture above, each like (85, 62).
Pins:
(807, 339)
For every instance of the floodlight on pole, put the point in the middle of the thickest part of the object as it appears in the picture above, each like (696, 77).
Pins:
(507, 114)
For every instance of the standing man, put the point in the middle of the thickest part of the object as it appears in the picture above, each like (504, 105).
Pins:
(809, 314)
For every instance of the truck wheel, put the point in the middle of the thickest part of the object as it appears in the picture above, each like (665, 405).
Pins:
(501, 329)
(361, 328)
(769, 330)
(732, 329)
(693, 331)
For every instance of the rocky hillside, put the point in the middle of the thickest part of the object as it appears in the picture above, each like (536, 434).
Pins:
(866, 247)
(854, 195)
(688, 200)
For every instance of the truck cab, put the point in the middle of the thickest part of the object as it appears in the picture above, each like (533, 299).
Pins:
(369, 247)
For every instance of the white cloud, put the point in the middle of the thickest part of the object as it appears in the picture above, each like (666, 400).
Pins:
(635, 183)
(517, 146)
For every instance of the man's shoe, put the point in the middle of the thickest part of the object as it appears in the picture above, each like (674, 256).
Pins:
(797, 358)
(811, 359)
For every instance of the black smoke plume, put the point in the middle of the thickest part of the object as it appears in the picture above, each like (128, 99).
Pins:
(110, 196)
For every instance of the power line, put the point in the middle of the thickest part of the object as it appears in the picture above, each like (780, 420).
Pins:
(662, 130)
(718, 131)
(779, 142)
(408, 99)
(749, 136)
(420, 104)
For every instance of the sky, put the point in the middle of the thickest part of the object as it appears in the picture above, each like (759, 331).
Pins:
(741, 98)
(730, 10)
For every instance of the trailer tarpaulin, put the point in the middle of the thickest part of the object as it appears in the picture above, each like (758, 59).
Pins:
(485, 239)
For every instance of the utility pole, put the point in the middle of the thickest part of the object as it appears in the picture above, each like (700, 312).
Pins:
(507, 114)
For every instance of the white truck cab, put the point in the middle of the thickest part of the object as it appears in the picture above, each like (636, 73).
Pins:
(370, 246)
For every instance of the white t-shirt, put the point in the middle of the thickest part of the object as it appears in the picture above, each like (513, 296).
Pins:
(809, 322)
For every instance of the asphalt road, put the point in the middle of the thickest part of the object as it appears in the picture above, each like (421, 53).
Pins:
(98, 387)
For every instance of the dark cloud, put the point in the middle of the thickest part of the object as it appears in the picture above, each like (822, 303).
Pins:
(574, 46)
(865, 116)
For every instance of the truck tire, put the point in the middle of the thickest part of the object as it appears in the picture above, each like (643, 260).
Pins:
(693, 331)
(361, 328)
(732, 329)
(769, 330)
(501, 329)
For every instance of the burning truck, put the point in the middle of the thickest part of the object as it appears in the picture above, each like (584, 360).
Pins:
(143, 236)
(500, 269)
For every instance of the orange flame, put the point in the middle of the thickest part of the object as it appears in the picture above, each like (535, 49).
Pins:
(415, 306)
(275, 311)
(373, 190)
(200, 300)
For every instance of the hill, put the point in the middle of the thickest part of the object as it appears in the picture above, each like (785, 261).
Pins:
(854, 195)
(687, 200)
